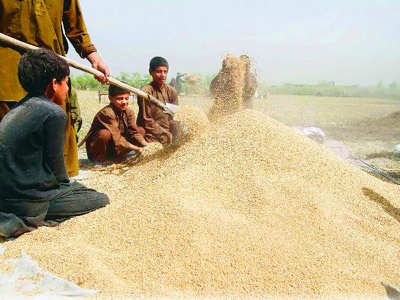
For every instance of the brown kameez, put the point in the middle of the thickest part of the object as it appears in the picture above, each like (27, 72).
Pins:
(152, 117)
(111, 134)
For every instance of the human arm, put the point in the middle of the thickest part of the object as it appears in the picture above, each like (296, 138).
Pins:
(75, 30)
(149, 117)
(134, 135)
(53, 151)
(136, 148)
(98, 63)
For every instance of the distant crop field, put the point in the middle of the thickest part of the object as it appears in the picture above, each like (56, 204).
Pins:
(324, 111)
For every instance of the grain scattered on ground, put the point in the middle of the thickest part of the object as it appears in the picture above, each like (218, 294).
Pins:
(251, 209)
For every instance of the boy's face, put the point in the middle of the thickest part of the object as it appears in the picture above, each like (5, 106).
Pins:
(60, 91)
(120, 101)
(159, 75)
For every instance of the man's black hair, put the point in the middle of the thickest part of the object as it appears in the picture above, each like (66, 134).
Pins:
(158, 61)
(38, 67)
(114, 90)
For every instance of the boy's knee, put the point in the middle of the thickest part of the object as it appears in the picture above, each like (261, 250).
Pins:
(142, 131)
(104, 135)
(104, 200)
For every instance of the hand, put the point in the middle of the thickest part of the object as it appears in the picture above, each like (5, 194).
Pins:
(97, 63)
(136, 149)
(169, 137)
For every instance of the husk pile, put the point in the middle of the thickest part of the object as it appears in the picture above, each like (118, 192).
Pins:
(248, 208)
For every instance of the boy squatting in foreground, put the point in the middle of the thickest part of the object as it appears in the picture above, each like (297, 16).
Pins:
(114, 133)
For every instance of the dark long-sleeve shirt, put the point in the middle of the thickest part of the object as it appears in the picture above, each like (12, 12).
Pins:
(34, 184)
(32, 164)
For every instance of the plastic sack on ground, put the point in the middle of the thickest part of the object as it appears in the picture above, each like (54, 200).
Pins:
(314, 133)
(22, 278)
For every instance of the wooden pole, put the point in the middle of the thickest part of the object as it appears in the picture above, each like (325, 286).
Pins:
(12, 41)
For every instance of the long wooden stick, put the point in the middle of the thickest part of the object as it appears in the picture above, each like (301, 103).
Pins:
(12, 41)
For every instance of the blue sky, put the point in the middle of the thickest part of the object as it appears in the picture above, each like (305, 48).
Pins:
(349, 42)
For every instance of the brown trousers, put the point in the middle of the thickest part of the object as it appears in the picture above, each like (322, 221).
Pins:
(100, 147)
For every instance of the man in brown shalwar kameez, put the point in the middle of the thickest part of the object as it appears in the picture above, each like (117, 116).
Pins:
(44, 23)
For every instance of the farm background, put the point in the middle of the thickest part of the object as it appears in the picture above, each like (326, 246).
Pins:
(268, 214)
(367, 127)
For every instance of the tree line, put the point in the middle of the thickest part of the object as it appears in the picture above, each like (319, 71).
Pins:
(330, 89)
(197, 84)
(88, 82)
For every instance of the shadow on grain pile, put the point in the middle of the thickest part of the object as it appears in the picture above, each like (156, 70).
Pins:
(249, 208)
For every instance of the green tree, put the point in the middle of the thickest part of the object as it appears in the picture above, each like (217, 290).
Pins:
(393, 85)
(85, 82)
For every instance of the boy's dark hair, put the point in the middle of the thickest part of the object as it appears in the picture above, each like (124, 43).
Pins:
(114, 90)
(38, 67)
(158, 61)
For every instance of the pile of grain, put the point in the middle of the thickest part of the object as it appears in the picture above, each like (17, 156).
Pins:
(248, 208)
(227, 87)
(193, 120)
